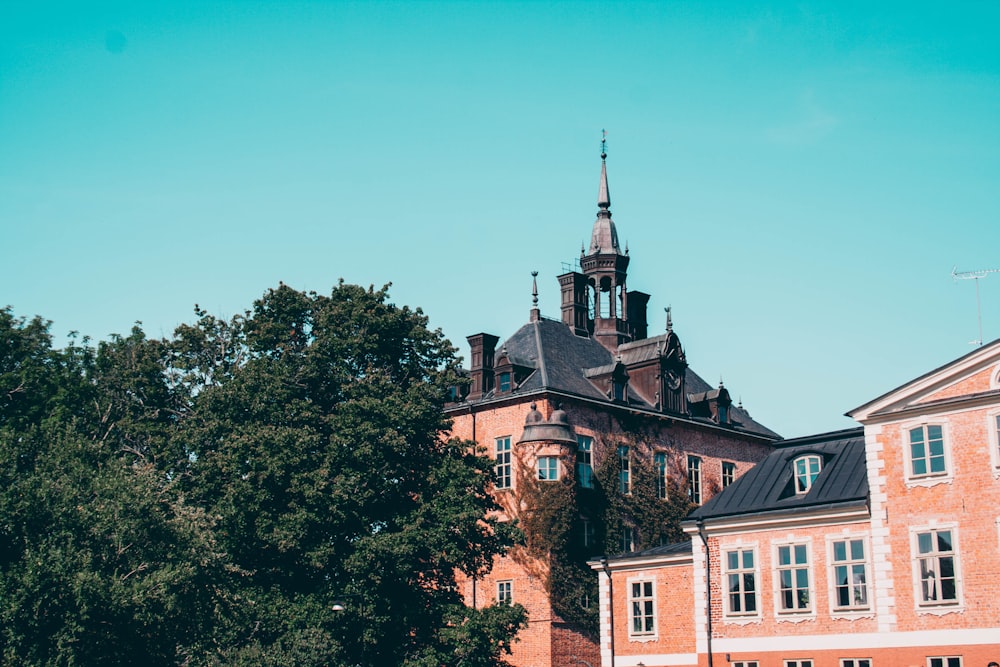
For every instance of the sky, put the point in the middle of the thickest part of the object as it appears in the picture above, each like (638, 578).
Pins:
(797, 181)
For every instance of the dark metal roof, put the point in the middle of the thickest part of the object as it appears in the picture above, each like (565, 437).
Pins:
(769, 486)
(563, 362)
(677, 548)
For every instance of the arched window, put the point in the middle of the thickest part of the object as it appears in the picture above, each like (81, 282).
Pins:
(806, 471)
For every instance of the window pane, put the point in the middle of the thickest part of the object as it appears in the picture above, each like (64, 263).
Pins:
(944, 540)
(784, 555)
(800, 553)
(857, 549)
(839, 551)
(748, 558)
(924, 543)
(733, 560)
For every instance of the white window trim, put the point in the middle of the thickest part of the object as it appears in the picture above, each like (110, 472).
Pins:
(698, 467)
(509, 465)
(994, 440)
(793, 616)
(642, 637)
(931, 479)
(808, 482)
(589, 465)
(855, 661)
(945, 659)
(831, 579)
(936, 609)
(538, 464)
(500, 583)
(729, 617)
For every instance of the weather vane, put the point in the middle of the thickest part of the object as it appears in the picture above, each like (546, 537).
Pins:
(604, 141)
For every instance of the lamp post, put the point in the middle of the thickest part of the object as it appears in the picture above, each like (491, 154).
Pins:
(339, 605)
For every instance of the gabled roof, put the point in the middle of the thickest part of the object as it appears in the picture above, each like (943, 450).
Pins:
(961, 379)
(769, 486)
(564, 362)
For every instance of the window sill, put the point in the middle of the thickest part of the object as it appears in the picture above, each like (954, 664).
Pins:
(941, 610)
(929, 481)
(742, 620)
(642, 639)
(795, 617)
(852, 614)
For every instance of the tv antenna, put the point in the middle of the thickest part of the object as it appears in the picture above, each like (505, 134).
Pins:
(974, 275)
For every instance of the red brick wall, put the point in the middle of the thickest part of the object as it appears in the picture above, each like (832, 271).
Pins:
(543, 643)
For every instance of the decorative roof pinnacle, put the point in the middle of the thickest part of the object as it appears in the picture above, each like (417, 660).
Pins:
(604, 238)
(670, 321)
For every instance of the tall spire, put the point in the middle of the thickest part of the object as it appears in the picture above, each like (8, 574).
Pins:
(604, 239)
(603, 196)
(534, 315)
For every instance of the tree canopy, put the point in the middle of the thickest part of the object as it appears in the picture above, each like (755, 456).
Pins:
(272, 489)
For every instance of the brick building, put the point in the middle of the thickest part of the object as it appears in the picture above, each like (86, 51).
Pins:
(585, 414)
(873, 546)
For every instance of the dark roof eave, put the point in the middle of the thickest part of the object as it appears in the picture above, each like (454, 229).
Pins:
(466, 406)
(694, 520)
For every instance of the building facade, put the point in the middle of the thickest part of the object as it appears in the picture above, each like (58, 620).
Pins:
(598, 430)
(872, 546)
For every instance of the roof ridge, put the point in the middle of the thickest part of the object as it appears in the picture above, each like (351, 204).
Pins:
(541, 355)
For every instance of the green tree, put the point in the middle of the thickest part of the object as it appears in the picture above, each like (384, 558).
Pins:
(101, 560)
(315, 436)
(275, 489)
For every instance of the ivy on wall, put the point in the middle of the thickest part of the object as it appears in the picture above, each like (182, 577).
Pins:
(553, 516)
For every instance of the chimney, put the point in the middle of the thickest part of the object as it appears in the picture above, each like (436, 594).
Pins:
(482, 345)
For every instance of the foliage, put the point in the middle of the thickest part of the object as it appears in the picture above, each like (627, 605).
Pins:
(268, 490)
(552, 512)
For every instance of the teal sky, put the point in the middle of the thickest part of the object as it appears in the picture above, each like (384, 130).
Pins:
(796, 179)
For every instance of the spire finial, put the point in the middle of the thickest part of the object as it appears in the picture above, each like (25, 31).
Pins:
(670, 321)
(603, 197)
(534, 315)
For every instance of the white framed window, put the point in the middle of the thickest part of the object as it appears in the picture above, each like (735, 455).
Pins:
(936, 572)
(624, 470)
(925, 451)
(798, 663)
(741, 576)
(660, 466)
(855, 662)
(548, 468)
(504, 385)
(745, 663)
(728, 473)
(850, 590)
(694, 479)
(584, 462)
(792, 579)
(945, 661)
(641, 608)
(505, 591)
(503, 464)
(627, 544)
(806, 471)
(993, 431)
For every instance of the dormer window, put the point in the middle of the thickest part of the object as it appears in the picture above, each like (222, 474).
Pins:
(806, 471)
(503, 386)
